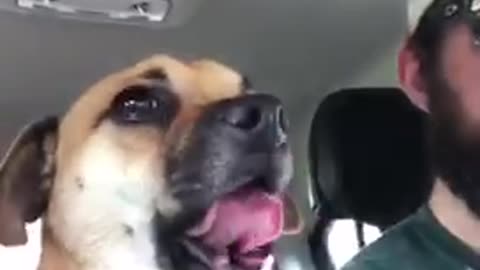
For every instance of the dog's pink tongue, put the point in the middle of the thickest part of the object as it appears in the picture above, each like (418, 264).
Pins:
(244, 220)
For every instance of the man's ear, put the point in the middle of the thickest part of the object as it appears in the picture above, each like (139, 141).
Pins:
(293, 222)
(26, 173)
(410, 77)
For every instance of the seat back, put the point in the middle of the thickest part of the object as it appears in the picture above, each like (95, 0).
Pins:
(367, 160)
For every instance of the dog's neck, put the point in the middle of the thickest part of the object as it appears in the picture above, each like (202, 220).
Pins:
(123, 256)
(54, 256)
(110, 227)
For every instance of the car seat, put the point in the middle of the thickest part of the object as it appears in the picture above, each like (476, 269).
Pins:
(367, 162)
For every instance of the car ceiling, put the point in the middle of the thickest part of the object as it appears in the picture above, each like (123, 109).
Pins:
(299, 50)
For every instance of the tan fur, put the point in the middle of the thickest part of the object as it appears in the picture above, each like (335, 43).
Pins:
(112, 175)
(197, 84)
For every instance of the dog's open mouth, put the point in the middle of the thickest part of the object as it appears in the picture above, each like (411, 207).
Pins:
(238, 230)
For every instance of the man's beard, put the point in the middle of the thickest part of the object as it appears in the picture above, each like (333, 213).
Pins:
(454, 145)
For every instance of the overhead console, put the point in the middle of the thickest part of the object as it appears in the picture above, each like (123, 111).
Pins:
(156, 13)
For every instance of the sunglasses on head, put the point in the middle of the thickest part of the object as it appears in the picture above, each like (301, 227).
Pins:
(466, 11)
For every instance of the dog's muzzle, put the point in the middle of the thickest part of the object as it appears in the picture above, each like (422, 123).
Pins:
(230, 180)
(259, 118)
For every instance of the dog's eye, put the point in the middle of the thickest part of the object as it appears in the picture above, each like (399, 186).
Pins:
(140, 104)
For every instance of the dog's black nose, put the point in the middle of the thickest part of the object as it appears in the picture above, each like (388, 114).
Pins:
(257, 114)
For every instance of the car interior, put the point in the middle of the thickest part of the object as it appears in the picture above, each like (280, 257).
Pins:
(367, 161)
(356, 138)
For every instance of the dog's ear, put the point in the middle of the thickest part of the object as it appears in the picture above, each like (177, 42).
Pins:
(26, 173)
(293, 222)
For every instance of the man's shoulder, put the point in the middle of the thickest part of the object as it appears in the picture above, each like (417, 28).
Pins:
(396, 249)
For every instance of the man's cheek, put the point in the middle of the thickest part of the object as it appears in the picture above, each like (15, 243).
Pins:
(470, 102)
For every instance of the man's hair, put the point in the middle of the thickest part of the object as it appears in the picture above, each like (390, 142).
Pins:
(428, 37)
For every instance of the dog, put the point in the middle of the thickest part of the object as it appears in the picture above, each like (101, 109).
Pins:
(165, 165)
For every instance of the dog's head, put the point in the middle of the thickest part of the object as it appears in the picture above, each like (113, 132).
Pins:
(178, 162)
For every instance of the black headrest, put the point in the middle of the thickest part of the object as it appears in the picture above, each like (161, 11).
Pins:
(367, 156)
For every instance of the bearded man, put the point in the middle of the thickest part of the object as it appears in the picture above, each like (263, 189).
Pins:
(439, 70)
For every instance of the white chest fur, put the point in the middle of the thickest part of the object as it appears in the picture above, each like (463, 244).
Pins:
(102, 208)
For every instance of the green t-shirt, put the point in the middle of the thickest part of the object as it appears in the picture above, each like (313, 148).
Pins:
(419, 242)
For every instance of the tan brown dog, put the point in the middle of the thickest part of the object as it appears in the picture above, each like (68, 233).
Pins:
(164, 165)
